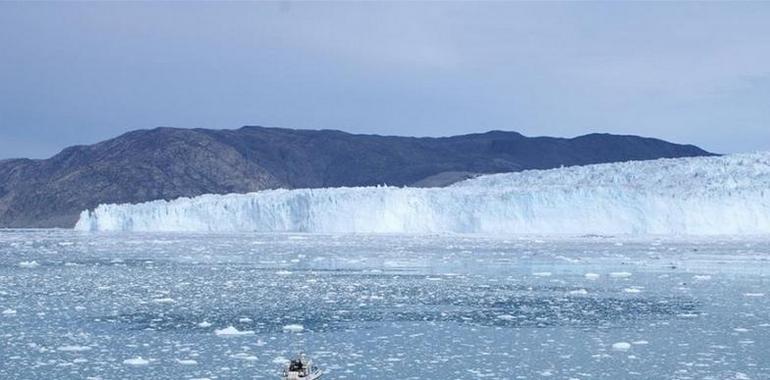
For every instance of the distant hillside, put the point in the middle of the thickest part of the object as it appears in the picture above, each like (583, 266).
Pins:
(167, 163)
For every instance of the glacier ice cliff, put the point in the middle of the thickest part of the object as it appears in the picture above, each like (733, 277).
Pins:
(699, 196)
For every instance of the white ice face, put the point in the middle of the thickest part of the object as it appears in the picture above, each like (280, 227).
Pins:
(701, 196)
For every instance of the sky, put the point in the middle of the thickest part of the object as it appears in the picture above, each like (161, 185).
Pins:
(688, 72)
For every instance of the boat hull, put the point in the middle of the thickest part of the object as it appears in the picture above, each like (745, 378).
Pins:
(313, 376)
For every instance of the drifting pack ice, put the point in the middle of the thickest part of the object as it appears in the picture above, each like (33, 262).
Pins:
(698, 196)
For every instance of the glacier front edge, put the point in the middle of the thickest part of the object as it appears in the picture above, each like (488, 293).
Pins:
(688, 196)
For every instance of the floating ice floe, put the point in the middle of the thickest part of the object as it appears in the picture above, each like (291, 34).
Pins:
(73, 348)
(592, 276)
(29, 264)
(9, 312)
(244, 356)
(293, 328)
(137, 361)
(164, 300)
(187, 361)
(232, 331)
(204, 324)
(621, 346)
(620, 274)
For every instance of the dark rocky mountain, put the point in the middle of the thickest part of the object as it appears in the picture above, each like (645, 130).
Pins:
(166, 163)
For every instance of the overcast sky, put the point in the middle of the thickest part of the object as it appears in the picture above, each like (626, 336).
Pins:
(77, 73)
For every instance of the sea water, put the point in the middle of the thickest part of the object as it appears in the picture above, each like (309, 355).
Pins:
(79, 305)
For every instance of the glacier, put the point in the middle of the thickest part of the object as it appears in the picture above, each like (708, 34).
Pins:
(686, 196)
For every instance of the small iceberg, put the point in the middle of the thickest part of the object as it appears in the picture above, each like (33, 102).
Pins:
(232, 331)
(244, 356)
(73, 348)
(29, 264)
(293, 328)
(621, 346)
(137, 361)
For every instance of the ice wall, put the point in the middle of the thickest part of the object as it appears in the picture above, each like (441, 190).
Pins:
(704, 196)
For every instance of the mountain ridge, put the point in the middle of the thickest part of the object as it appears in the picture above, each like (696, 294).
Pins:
(167, 163)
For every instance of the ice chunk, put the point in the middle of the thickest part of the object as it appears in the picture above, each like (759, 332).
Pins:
(137, 361)
(232, 331)
(244, 356)
(621, 346)
(293, 328)
(29, 264)
(73, 348)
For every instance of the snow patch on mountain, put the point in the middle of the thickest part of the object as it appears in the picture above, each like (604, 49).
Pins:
(702, 196)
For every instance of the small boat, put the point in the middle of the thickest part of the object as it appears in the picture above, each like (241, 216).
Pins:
(301, 368)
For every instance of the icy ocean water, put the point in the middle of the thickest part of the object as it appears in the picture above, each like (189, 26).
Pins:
(78, 305)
